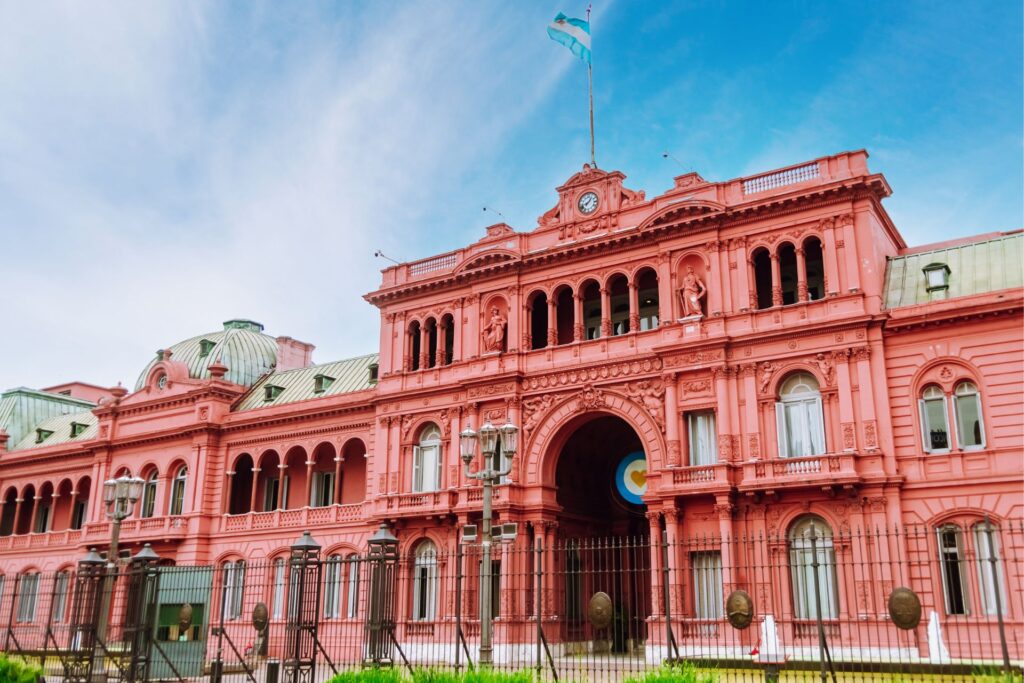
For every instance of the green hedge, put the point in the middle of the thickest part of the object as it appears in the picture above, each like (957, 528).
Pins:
(14, 670)
(686, 673)
(395, 675)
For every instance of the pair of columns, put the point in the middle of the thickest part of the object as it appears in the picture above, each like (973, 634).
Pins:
(578, 322)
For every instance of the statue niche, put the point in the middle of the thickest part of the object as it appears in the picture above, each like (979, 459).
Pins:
(495, 326)
(692, 292)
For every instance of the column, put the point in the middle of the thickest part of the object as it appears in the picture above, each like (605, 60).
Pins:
(255, 487)
(714, 278)
(397, 344)
(724, 508)
(442, 336)
(720, 377)
(606, 312)
(577, 317)
(846, 222)
(634, 308)
(17, 514)
(281, 470)
(750, 422)
(743, 274)
(552, 321)
(776, 281)
(674, 567)
(309, 483)
(848, 440)
(725, 280)
(657, 594)
(160, 502)
(801, 275)
(424, 346)
(71, 509)
(827, 226)
(35, 513)
(457, 329)
(513, 335)
(751, 292)
(672, 420)
(229, 478)
(867, 400)
(666, 300)
(337, 478)
(527, 327)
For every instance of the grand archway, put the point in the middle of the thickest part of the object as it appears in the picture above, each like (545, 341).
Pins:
(603, 544)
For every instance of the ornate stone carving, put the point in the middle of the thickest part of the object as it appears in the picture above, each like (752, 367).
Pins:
(825, 366)
(589, 398)
(445, 419)
(651, 395)
(848, 436)
(674, 453)
(765, 376)
(533, 411)
(691, 292)
(407, 421)
(697, 386)
(754, 445)
(494, 331)
(551, 216)
(870, 434)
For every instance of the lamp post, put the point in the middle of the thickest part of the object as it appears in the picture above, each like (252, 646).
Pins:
(119, 496)
(494, 441)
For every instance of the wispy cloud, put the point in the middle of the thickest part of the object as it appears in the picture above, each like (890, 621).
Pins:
(168, 167)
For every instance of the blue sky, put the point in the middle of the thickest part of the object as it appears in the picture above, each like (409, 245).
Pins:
(166, 166)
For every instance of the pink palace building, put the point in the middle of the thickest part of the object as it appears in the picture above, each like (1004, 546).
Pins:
(770, 345)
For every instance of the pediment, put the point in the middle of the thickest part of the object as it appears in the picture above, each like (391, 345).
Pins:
(486, 259)
(682, 209)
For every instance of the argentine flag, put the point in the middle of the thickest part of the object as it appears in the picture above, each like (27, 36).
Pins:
(573, 33)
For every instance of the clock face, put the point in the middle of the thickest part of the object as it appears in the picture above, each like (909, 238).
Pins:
(587, 203)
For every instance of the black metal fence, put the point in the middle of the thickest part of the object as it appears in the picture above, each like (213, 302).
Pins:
(818, 603)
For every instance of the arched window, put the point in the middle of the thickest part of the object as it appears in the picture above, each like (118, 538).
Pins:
(812, 562)
(431, 342)
(538, 307)
(618, 291)
(952, 565)
(332, 587)
(28, 595)
(424, 582)
(234, 588)
(352, 592)
(647, 299)
(426, 461)
(178, 491)
(991, 587)
(788, 273)
(762, 267)
(414, 345)
(970, 430)
(799, 417)
(934, 424)
(280, 595)
(149, 494)
(815, 269)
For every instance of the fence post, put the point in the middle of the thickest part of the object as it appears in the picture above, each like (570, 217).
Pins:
(382, 554)
(458, 606)
(667, 597)
(994, 564)
(302, 622)
(538, 587)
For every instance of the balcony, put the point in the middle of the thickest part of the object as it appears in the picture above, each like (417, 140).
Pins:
(148, 529)
(827, 471)
(306, 517)
(701, 479)
(50, 539)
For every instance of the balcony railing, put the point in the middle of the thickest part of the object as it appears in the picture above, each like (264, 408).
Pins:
(138, 529)
(701, 477)
(815, 470)
(301, 517)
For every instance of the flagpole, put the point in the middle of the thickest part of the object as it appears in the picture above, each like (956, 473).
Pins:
(590, 91)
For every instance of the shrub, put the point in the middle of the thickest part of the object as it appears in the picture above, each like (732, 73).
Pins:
(14, 670)
(473, 676)
(385, 675)
(685, 673)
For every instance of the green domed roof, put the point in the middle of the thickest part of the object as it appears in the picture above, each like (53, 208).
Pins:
(241, 346)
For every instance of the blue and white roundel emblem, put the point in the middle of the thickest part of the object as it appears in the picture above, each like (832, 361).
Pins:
(631, 477)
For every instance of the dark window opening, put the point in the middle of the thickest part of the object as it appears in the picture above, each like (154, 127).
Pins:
(788, 274)
(815, 269)
(539, 321)
(763, 279)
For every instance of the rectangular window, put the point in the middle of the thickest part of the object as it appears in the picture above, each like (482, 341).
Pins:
(28, 590)
(43, 518)
(271, 493)
(648, 300)
(323, 489)
(933, 422)
(495, 586)
(800, 427)
(332, 588)
(352, 599)
(178, 496)
(78, 514)
(279, 585)
(969, 432)
(707, 584)
(424, 578)
(990, 574)
(60, 596)
(234, 587)
(426, 473)
(700, 427)
(954, 585)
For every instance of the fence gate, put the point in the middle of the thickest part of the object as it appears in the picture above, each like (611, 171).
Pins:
(379, 639)
(304, 611)
(85, 613)
(140, 615)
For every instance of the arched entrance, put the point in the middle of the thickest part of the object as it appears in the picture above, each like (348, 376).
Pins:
(603, 543)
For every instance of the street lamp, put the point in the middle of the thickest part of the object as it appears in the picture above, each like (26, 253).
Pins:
(119, 496)
(494, 441)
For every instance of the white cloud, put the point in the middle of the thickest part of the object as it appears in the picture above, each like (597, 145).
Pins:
(166, 167)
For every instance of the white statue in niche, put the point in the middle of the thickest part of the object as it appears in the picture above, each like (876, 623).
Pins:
(690, 294)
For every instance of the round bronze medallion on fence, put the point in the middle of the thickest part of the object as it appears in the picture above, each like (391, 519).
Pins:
(740, 609)
(185, 617)
(904, 608)
(600, 610)
(260, 616)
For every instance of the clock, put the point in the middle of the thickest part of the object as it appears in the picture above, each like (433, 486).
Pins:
(587, 203)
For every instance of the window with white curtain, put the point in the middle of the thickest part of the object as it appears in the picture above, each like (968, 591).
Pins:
(700, 427)
(279, 592)
(426, 461)
(707, 584)
(178, 491)
(149, 495)
(809, 592)
(234, 587)
(60, 595)
(970, 430)
(951, 564)
(799, 417)
(332, 587)
(322, 490)
(28, 593)
(352, 597)
(990, 573)
(934, 424)
(424, 582)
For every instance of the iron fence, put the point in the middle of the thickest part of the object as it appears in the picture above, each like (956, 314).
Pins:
(815, 603)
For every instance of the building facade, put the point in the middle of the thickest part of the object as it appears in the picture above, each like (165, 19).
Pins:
(769, 345)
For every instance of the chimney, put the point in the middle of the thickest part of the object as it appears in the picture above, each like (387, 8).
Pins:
(293, 354)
